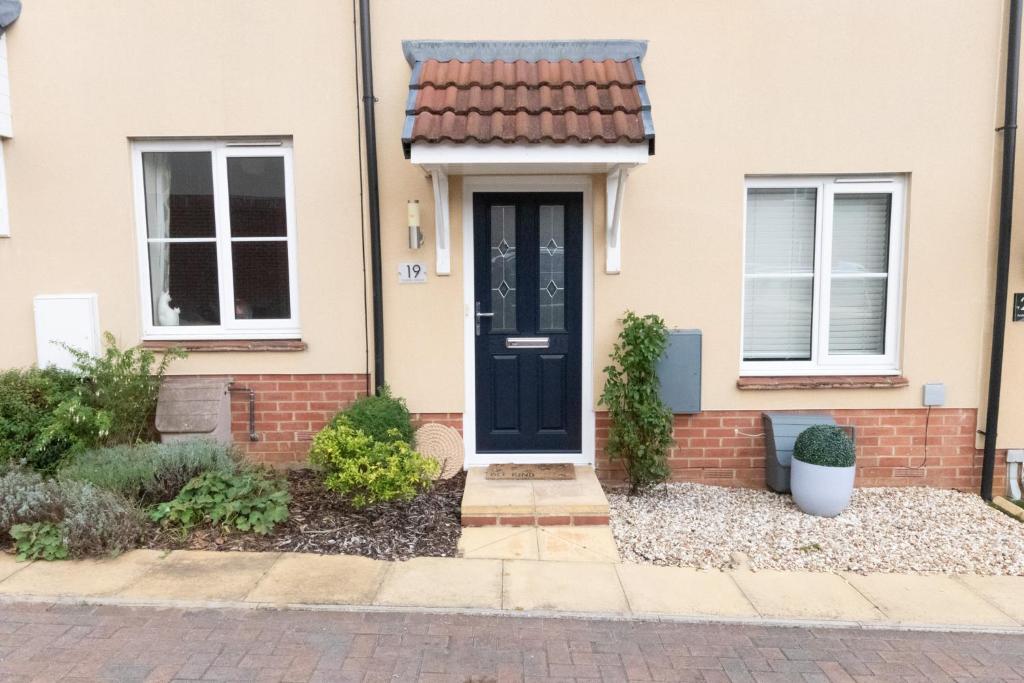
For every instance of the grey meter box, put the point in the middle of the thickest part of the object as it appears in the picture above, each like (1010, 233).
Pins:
(679, 372)
(934, 394)
(780, 432)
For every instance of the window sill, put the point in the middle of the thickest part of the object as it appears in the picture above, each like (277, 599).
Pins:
(822, 382)
(215, 345)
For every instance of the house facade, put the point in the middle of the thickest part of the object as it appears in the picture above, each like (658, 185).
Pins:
(812, 186)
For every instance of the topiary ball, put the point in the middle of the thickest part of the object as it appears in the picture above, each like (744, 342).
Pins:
(825, 445)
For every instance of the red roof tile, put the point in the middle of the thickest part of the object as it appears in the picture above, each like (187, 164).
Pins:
(528, 101)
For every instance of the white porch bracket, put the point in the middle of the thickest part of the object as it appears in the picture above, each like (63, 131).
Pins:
(615, 191)
(442, 220)
(1014, 460)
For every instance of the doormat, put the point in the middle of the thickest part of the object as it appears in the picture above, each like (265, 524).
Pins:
(529, 472)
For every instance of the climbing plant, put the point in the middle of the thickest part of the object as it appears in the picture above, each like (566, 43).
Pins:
(641, 425)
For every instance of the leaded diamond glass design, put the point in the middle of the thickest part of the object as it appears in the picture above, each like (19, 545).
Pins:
(552, 268)
(503, 268)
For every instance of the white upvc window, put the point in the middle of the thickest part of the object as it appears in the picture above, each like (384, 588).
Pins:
(216, 235)
(822, 275)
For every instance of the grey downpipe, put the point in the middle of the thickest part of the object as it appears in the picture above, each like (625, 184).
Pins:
(1009, 130)
(373, 192)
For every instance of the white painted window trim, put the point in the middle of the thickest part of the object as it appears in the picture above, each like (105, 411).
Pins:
(5, 207)
(230, 328)
(567, 183)
(821, 362)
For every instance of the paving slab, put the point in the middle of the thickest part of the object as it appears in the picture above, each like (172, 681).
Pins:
(927, 599)
(805, 595)
(320, 579)
(1005, 592)
(202, 575)
(442, 582)
(486, 497)
(499, 543)
(577, 544)
(86, 578)
(562, 586)
(580, 496)
(683, 590)
(9, 565)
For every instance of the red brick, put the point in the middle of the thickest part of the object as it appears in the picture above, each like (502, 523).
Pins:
(516, 520)
(479, 521)
(589, 520)
(554, 520)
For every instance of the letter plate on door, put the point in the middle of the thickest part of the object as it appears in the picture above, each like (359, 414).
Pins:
(527, 342)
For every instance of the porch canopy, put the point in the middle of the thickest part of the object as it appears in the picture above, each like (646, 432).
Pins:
(528, 107)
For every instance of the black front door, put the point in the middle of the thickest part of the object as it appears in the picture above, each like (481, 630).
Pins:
(529, 278)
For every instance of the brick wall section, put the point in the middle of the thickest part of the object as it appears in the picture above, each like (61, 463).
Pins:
(448, 419)
(727, 448)
(290, 409)
(715, 447)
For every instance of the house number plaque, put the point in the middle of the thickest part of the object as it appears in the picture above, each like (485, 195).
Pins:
(412, 273)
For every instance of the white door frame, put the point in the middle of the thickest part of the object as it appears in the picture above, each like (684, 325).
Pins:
(527, 183)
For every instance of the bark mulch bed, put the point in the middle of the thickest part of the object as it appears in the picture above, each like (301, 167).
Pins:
(321, 521)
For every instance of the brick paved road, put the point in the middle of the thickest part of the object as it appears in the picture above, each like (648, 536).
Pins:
(42, 642)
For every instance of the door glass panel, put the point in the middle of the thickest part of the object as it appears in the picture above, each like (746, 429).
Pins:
(503, 268)
(552, 269)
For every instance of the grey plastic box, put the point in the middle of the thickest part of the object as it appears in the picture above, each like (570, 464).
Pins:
(780, 432)
(679, 372)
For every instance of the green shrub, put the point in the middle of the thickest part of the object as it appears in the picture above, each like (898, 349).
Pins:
(825, 445)
(149, 473)
(368, 470)
(91, 521)
(25, 498)
(248, 501)
(116, 398)
(28, 399)
(641, 426)
(38, 541)
(383, 417)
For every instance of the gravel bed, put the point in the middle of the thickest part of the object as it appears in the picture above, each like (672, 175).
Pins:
(883, 530)
(321, 521)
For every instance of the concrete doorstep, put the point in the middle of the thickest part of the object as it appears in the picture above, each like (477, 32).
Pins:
(517, 586)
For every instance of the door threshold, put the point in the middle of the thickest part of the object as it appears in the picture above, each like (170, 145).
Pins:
(484, 459)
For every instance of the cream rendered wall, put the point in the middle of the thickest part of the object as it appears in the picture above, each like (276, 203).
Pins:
(1011, 405)
(748, 87)
(85, 79)
(740, 88)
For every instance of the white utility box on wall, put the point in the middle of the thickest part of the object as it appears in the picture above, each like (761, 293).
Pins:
(71, 319)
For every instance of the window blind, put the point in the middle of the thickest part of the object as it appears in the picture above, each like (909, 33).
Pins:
(779, 275)
(860, 273)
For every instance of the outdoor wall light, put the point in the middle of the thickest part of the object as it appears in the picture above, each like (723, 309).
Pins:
(415, 234)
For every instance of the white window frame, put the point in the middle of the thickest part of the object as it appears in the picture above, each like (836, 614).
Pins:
(230, 327)
(5, 210)
(821, 362)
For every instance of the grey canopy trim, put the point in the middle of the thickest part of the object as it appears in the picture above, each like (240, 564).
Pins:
(10, 10)
(528, 50)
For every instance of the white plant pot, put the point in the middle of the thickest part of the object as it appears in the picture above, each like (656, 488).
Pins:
(821, 491)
